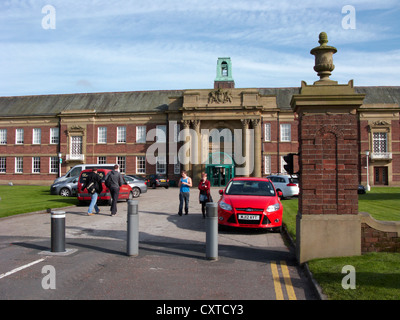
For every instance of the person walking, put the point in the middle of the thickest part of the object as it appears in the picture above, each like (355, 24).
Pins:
(113, 181)
(205, 194)
(94, 187)
(184, 185)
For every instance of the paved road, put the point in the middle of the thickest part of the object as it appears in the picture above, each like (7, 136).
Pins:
(171, 265)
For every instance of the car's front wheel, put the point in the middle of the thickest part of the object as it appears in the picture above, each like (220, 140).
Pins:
(65, 192)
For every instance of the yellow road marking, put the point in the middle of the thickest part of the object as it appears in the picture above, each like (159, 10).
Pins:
(288, 281)
(277, 281)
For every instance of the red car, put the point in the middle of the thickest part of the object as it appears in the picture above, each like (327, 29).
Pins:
(250, 203)
(125, 191)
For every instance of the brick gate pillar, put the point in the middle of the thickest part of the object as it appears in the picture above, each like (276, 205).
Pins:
(327, 219)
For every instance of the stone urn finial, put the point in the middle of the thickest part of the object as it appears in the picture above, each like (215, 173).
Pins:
(324, 59)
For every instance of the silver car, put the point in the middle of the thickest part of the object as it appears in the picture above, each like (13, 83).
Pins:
(138, 185)
(65, 188)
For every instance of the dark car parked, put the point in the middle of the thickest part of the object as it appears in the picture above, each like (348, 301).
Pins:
(157, 180)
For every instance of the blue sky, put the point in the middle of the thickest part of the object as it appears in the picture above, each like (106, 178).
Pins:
(122, 45)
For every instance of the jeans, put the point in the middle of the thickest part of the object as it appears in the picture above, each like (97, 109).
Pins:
(93, 203)
(183, 197)
(114, 195)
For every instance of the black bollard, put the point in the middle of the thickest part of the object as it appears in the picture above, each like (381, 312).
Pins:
(212, 231)
(57, 231)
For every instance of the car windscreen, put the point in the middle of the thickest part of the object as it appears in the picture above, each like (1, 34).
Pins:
(84, 176)
(250, 188)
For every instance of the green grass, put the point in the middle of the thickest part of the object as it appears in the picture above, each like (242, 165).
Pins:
(377, 274)
(22, 199)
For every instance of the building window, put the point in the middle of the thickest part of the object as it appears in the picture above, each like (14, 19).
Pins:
(177, 129)
(54, 161)
(267, 164)
(177, 165)
(36, 165)
(2, 164)
(161, 165)
(101, 160)
(141, 134)
(37, 136)
(161, 133)
(19, 136)
(121, 161)
(380, 142)
(267, 132)
(286, 132)
(76, 147)
(54, 136)
(102, 135)
(121, 134)
(3, 136)
(19, 165)
(140, 165)
(283, 162)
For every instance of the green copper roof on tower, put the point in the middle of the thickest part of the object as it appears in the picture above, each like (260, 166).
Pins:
(224, 69)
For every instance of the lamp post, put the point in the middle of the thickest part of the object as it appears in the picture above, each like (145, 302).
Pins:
(59, 164)
(368, 186)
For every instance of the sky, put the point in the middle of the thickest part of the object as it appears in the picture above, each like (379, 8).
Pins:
(71, 46)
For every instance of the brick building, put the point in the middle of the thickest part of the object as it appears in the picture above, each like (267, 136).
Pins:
(37, 131)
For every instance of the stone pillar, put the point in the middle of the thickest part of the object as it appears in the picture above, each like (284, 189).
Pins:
(327, 221)
(245, 144)
(196, 149)
(186, 125)
(257, 147)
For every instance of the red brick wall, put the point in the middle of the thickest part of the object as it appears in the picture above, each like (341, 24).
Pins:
(373, 240)
(329, 160)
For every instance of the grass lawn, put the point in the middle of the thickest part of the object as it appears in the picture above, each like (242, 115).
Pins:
(377, 274)
(22, 199)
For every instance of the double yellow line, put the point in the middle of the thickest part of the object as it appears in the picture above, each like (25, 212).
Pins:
(277, 281)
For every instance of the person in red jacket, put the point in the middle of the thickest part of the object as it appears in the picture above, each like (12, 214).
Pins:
(205, 195)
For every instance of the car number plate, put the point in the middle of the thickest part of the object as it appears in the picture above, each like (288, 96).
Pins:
(162, 180)
(249, 217)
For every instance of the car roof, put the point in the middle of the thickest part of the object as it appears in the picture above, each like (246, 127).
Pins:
(250, 178)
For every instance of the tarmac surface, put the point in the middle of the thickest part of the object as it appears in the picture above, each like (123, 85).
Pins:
(171, 265)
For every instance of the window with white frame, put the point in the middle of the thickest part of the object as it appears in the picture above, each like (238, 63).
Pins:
(121, 161)
(102, 135)
(101, 160)
(161, 133)
(177, 129)
(141, 165)
(267, 132)
(267, 164)
(283, 162)
(161, 165)
(380, 144)
(3, 163)
(35, 164)
(3, 136)
(286, 132)
(140, 134)
(53, 168)
(54, 135)
(121, 134)
(19, 165)
(37, 136)
(19, 136)
(177, 165)
(76, 147)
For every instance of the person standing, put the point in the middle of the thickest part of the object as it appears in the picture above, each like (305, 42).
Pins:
(184, 185)
(94, 187)
(205, 195)
(113, 182)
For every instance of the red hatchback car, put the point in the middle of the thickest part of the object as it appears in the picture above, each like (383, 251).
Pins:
(125, 191)
(250, 203)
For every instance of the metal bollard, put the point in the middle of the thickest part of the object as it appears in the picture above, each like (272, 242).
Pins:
(132, 243)
(212, 231)
(57, 231)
